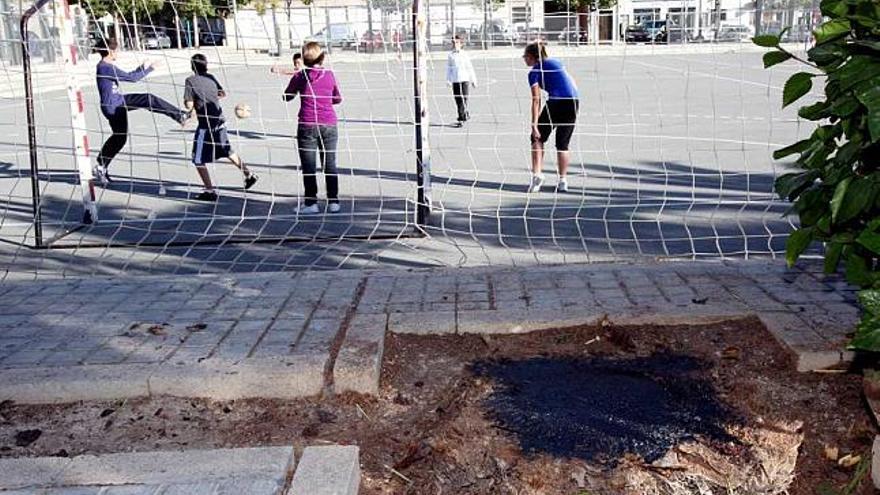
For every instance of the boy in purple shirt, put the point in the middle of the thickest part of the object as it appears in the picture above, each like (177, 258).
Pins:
(316, 135)
(115, 105)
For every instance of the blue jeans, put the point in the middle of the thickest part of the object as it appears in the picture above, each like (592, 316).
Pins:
(318, 142)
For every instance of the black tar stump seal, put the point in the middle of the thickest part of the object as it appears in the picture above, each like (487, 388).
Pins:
(600, 408)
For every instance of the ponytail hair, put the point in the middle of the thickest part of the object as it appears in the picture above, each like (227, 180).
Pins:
(537, 50)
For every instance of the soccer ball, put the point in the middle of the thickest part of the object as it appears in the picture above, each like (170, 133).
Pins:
(242, 111)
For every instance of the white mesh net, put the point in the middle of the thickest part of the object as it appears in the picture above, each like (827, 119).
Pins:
(671, 155)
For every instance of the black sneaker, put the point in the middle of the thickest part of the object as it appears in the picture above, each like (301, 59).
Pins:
(207, 196)
(250, 180)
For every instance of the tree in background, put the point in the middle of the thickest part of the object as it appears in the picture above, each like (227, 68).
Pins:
(288, 6)
(271, 6)
(487, 6)
(788, 9)
(388, 7)
(128, 15)
(150, 14)
(583, 9)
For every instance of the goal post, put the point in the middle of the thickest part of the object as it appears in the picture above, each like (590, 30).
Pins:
(76, 102)
(421, 122)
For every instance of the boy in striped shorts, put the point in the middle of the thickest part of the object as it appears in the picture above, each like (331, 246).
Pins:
(202, 94)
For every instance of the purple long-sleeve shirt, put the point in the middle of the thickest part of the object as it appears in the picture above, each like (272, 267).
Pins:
(319, 92)
(109, 76)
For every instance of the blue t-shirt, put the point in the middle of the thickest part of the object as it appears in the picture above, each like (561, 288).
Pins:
(108, 78)
(552, 77)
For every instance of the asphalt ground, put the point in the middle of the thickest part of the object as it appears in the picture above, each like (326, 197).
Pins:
(671, 159)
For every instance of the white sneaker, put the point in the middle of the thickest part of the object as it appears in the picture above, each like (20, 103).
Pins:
(562, 186)
(100, 172)
(309, 210)
(536, 183)
(334, 208)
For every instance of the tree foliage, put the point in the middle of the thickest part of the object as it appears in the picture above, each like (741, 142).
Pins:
(493, 5)
(100, 8)
(585, 5)
(836, 188)
(390, 6)
(160, 8)
(786, 4)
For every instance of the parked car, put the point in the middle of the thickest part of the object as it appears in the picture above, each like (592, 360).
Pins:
(524, 36)
(654, 28)
(212, 38)
(498, 34)
(372, 40)
(336, 35)
(573, 35)
(156, 39)
(636, 34)
(212, 31)
(672, 34)
(734, 33)
(469, 37)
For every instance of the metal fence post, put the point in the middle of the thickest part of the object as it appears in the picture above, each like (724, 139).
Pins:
(32, 130)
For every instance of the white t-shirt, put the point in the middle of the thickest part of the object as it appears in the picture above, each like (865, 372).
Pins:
(459, 68)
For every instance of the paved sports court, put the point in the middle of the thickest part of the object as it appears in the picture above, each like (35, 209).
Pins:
(671, 158)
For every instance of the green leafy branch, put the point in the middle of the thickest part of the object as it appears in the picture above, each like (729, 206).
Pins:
(835, 190)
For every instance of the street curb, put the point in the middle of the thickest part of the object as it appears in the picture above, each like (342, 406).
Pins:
(149, 468)
(328, 470)
(283, 378)
(784, 326)
(358, 366)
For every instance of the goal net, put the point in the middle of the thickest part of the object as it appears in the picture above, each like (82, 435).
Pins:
(670, 155)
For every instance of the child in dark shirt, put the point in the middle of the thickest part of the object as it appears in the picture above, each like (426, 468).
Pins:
(115, 105)
(202, 94)
(297, 66)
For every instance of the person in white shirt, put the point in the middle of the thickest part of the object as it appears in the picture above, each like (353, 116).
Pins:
(460, 74)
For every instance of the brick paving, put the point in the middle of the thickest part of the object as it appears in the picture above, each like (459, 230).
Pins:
(197, 335)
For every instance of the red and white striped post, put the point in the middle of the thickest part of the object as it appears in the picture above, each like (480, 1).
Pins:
(77, 113)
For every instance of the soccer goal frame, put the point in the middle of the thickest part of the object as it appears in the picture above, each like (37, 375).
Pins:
(421, 125)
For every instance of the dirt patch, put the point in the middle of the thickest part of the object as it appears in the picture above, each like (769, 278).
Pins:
(460, 414)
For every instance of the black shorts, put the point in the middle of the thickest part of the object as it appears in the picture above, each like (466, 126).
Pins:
(562, 116)
(210, 145)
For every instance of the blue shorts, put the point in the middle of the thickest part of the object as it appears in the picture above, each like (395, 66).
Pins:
(210, 145)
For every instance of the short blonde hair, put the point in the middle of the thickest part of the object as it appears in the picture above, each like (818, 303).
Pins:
(312, 54)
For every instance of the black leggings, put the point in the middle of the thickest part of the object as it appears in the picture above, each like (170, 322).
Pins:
(560, 115)
(460, 92)
(119, 121)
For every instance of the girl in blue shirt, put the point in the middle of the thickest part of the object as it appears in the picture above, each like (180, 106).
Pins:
(559, 113)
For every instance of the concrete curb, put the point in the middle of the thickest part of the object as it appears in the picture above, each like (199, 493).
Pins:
(875, 462)
(787, 328)
(359, 362)
(286, 378)
(330, 470)
(150, 468)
